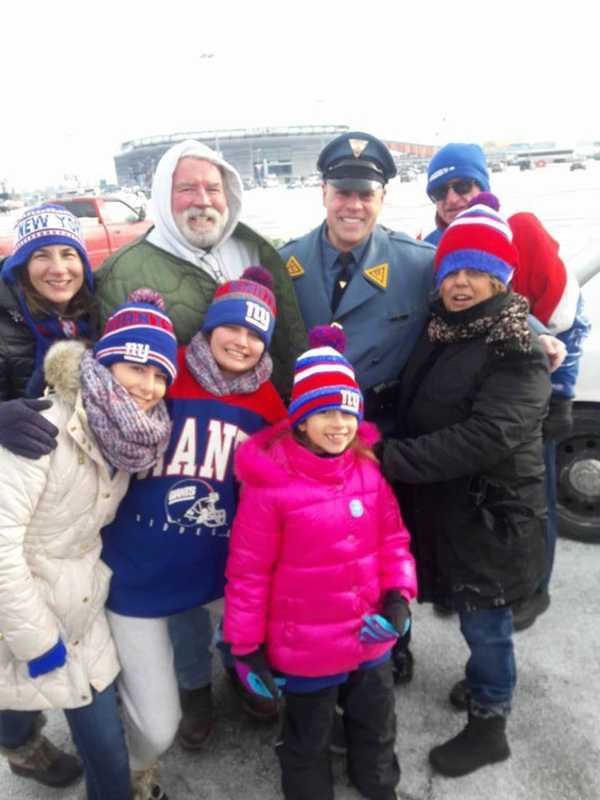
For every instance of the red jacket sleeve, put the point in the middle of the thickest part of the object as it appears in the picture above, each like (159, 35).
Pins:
(541, 276)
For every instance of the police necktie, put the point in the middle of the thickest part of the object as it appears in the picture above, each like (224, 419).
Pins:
(342, 279)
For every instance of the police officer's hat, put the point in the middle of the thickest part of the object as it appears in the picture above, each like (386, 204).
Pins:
(357, 162)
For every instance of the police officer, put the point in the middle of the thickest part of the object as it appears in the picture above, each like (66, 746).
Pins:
(373, 282)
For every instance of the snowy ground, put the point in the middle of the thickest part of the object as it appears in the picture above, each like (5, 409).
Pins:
(554, 730)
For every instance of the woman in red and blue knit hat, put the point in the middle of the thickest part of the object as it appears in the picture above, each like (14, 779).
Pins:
(469, 468)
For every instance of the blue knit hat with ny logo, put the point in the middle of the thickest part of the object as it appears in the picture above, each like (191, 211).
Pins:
(140, 332)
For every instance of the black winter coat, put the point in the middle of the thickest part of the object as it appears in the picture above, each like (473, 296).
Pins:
(470, 469)
(17, 346)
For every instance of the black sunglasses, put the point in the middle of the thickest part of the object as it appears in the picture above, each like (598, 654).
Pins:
(462, 186)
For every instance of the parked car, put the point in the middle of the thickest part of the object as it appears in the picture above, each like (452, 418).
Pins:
(578, 455)
(313, 180)
(577, 165)
(107, 223)
(407, 174)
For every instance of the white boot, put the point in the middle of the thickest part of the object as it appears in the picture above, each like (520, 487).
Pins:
(145, 784)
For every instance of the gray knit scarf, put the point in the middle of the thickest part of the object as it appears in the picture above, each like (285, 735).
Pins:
(206, 371)
(501, 319)
(129, 438)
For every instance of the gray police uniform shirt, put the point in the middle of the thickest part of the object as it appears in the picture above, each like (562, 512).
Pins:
(385, 305)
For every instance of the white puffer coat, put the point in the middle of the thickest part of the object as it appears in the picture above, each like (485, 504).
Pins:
(52, 582)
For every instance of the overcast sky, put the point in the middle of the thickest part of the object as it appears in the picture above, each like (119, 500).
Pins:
(80, 78)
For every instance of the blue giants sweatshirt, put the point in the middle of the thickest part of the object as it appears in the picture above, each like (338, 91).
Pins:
(168, 544)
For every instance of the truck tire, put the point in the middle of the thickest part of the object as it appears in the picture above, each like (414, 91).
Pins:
(578, 476)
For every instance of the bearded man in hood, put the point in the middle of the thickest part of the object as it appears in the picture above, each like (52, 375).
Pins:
(197, 243)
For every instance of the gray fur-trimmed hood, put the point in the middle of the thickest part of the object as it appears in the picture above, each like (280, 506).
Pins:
(62, 368)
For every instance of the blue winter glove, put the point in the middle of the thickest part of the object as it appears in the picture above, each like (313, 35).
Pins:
(53, 659)
(394, 622)
(253, 671)
(24, 431)
(376, 629)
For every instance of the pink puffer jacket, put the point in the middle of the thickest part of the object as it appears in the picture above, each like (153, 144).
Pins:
(316, 543)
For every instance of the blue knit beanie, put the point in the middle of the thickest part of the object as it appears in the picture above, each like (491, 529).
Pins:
(140, 332)
(248, 301)
(458, 160)
(43, 226)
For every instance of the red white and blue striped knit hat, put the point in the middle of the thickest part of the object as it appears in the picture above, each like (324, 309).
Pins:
(43, 226)
(478, 238)
(248, 301)
(140, 332)
(323, 378)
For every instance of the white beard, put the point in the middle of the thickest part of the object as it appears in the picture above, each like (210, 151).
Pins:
(201, 239)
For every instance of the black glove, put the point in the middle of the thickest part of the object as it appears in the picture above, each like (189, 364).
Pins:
(559, 422)
(24, 431)
(254, 672)
(397, 611)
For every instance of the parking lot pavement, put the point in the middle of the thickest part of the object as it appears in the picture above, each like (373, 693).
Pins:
(554, 730)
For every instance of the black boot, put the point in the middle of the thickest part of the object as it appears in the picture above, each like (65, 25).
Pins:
(460, 695)
(402, 663)
(481, 742)
(198, 719)
(41, 761)
(527, 611)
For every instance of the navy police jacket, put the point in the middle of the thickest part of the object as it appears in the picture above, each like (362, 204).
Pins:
(384, 307)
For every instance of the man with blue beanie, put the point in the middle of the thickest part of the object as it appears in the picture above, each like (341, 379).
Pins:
(456, 174)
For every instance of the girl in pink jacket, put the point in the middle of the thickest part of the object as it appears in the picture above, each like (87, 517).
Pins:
(319, 579)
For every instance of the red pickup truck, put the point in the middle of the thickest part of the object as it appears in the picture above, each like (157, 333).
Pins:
(107, 223)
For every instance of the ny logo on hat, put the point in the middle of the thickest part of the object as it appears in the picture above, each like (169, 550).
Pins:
(136, 351)
(357, 146)
(350, 399)
(257, 315)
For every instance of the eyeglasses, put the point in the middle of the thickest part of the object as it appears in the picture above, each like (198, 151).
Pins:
(462, 186)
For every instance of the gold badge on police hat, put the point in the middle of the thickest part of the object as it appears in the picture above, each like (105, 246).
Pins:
(357, 146)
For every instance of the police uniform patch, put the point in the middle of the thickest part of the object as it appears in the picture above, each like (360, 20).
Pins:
(294, 267)
(378, 275)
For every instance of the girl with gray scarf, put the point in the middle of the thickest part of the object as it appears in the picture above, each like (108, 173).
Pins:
(56, 649)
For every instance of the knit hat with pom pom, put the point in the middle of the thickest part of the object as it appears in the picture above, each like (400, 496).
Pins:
(248, 301)
(323, 378)
(140, 332)
(478, 238)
